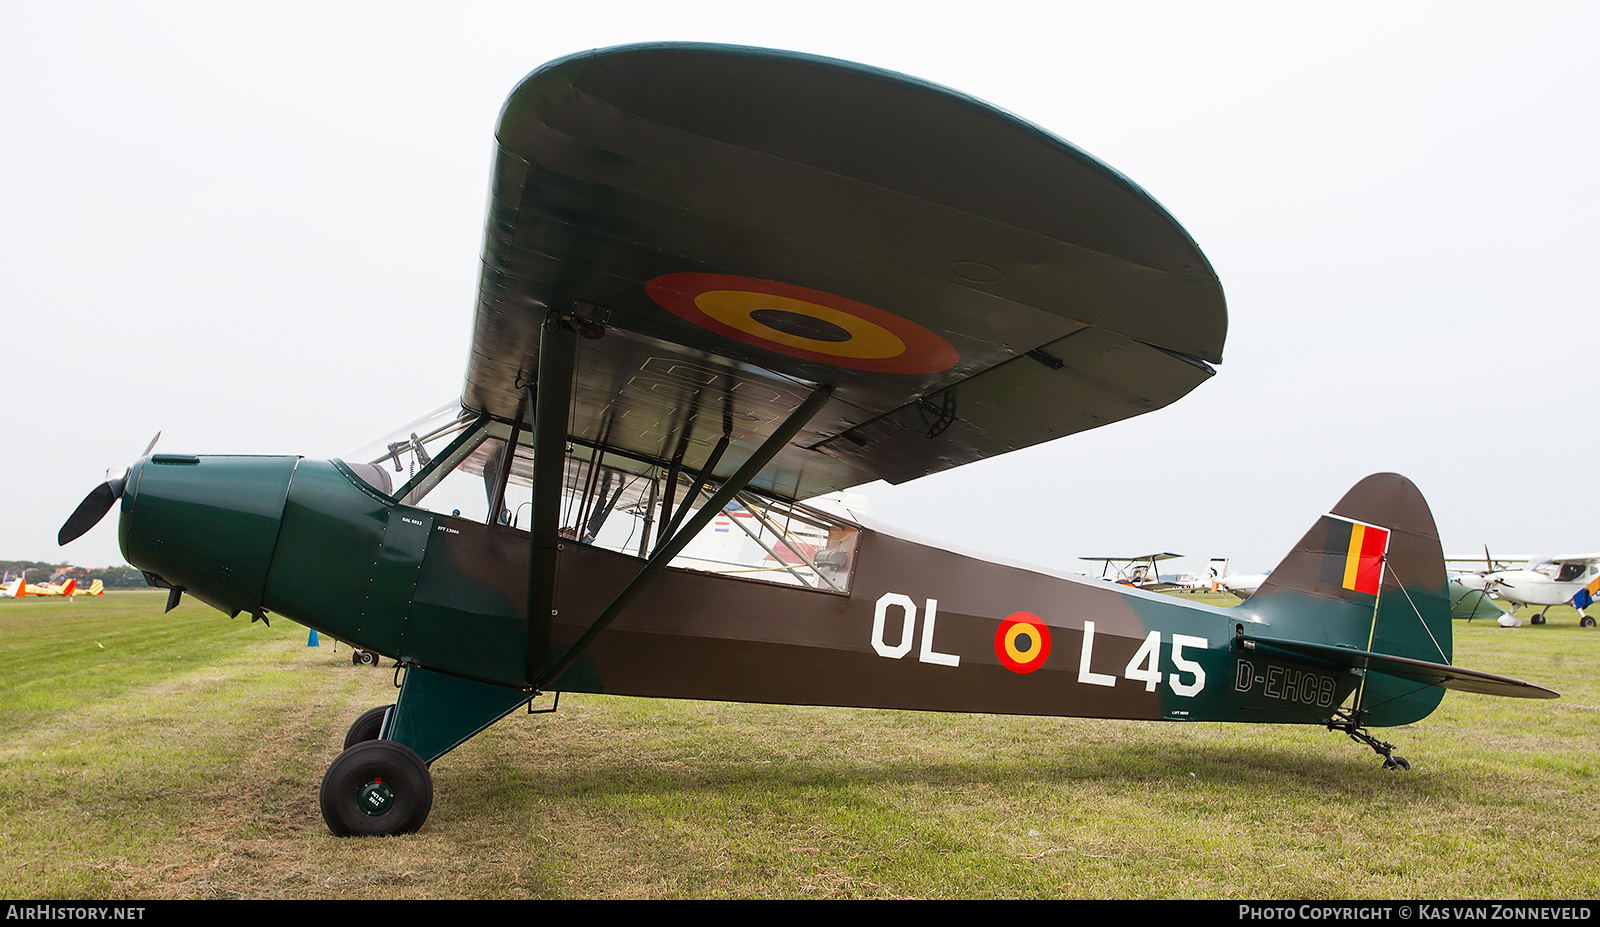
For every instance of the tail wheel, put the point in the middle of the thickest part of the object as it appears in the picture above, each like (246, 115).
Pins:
(1586, 622)
(377, 788)
(367, 727)
(363, 657)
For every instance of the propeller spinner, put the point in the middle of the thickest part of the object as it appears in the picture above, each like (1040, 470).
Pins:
(98, 502)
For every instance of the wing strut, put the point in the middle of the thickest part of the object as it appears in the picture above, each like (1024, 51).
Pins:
(699, 485)
(549, 397)
(664, 553)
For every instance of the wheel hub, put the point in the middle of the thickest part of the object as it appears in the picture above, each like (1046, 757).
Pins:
(376, 797)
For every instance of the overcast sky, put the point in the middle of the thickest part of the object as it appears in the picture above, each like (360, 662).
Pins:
(256, 228)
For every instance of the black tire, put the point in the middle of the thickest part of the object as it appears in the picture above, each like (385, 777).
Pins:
(367, 727)
(361, 657)
(1396, 761)
(1537, 619)
(377, 788)
(1586, 622)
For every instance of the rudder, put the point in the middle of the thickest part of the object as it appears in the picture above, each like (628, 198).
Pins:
(1368, 576)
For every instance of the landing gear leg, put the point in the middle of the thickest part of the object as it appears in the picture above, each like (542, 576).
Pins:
(382, 787)
(1351, 725)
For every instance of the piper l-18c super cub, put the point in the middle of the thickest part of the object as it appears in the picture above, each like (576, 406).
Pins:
(717, 281)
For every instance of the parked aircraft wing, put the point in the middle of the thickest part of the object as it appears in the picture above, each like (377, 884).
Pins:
(731, 228)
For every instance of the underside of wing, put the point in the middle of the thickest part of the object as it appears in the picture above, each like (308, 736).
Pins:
(732, 228)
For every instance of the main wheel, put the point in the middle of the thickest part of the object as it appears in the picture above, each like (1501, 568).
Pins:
(377, 788)
(1537, 619)
(367, 727)
(1586, 622)
(363, 657)
(1395, 761)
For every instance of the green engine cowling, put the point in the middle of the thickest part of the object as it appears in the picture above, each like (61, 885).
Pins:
(207, 525)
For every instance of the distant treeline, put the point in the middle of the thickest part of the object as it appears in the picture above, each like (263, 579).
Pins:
(117, 577)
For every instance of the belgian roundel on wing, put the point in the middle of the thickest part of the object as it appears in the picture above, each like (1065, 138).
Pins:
(734, 228)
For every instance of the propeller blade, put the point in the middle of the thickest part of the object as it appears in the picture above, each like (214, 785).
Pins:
(89, 512)
(97, 503)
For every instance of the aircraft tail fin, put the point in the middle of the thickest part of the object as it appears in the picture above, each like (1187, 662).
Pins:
(97, 587)
(1217, 568)
(71, 588)
(1366, 589)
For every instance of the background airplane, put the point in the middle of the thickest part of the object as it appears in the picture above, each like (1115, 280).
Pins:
(20, 587)
(1473, 603)
(1243, 585)
(1138, 571)
(1569, 579)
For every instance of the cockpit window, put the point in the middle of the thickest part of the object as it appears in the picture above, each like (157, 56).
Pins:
(455, 463)
(392, 460)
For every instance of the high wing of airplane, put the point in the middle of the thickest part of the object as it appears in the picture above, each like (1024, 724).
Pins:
(718, 282)
(1568, 579)
(1138, 571)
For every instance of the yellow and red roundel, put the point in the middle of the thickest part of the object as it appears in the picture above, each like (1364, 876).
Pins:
(1022, 643)
(808, 324)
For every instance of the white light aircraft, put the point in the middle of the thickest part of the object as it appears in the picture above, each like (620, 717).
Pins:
(1570, 579)
(1243, 585)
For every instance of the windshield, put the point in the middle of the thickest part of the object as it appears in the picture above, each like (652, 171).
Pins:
(392, 459)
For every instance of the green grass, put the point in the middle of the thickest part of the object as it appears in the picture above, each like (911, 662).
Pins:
(178, 756)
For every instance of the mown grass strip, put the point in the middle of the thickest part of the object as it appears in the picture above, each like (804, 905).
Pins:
(183, 760)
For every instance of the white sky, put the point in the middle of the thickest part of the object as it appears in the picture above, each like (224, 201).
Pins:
(256, 228)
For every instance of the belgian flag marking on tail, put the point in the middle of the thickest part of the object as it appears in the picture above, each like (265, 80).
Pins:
(1354, 555)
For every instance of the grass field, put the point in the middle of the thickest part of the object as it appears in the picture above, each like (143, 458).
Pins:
(156, 756)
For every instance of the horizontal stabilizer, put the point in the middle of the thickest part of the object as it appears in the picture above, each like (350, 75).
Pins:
(1434, 674)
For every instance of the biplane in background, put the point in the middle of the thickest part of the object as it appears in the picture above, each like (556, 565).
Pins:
(1139, 572)
(720, 281)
